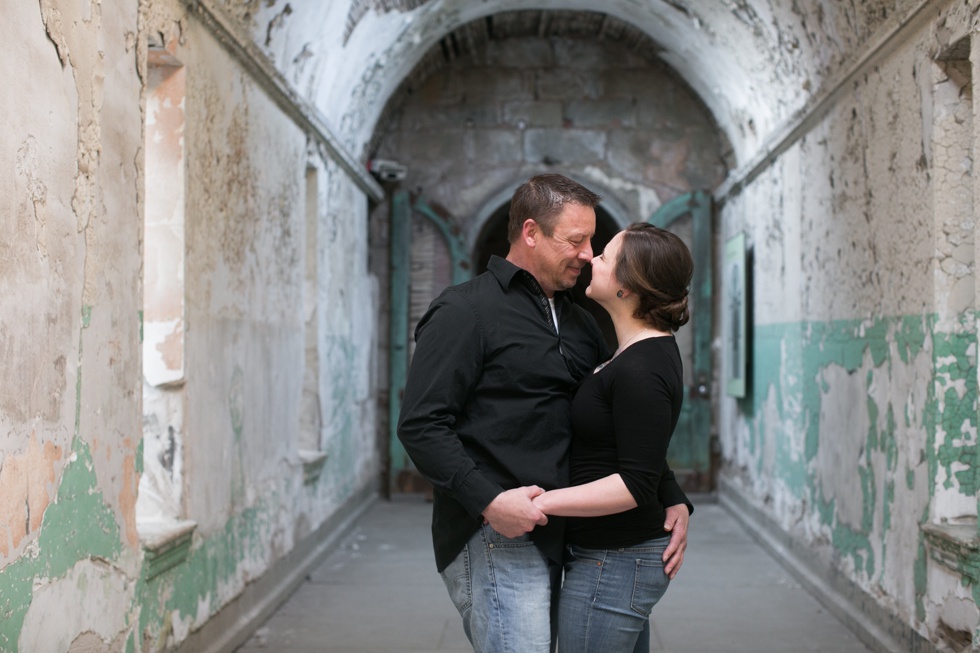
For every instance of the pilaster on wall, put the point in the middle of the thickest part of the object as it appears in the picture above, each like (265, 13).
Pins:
(951, 532)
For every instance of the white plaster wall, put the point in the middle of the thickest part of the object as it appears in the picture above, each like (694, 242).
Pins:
(73, 193)
(69, 317)
(41, 264)
(246, 169)
(351, 299)
(881, 240)
(245, 336)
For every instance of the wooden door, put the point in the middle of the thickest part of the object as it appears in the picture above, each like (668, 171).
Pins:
(689, 216)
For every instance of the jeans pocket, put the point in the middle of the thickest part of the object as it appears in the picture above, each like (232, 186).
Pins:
(495, 539)
(459, 582)
(649, 585)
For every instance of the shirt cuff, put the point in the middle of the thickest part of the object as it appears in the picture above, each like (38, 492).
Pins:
(476, 492)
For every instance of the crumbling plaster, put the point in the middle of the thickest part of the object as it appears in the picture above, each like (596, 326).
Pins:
(624, 125)
(247, 168)
(895, 328)
(860, 425)
(39, 264)
(74, 163)
(754, 64)
(71, 450)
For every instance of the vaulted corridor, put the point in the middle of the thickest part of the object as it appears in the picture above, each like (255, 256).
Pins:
(224, 218)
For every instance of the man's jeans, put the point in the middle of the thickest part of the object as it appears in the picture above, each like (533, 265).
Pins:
(607, 596)
(504, 588)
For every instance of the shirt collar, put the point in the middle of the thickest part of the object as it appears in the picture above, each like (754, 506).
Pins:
(505, 272)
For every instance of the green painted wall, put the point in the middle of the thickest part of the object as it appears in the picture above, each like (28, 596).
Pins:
(889, 403)
(77, 525)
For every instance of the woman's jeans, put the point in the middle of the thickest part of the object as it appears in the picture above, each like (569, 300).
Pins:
(607, 596)
(504, 588)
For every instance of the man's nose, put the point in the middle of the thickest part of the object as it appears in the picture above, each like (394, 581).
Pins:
(586, 253)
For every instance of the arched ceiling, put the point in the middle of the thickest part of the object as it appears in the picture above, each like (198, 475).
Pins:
(754, 63)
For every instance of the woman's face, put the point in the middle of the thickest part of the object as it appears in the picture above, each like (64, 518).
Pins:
(604, 284)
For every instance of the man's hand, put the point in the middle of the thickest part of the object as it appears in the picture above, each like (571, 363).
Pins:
(676, 524)
(512, 513)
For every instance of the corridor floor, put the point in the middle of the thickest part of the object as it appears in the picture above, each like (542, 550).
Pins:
(379, 592)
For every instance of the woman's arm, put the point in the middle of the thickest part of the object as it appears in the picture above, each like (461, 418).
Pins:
(606, 496)
(642, 408)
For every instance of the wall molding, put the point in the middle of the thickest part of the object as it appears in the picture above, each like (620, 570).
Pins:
(875, 626)
(824, 101)
(294, 105)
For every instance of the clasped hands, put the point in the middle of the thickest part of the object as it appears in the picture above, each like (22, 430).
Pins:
(513, 513)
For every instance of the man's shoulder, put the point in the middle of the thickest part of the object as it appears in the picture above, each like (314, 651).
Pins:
(481, 288)
(471, 296)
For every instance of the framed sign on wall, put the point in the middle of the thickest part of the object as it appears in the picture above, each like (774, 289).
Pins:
(736, 300)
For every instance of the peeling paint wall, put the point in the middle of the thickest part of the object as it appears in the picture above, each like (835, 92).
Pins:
(246, 484)
(859, 431)
(69, 282)
(75, 570)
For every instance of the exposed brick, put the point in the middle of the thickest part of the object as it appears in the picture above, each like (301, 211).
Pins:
(601, 113)
(532, 114)
(564, 145)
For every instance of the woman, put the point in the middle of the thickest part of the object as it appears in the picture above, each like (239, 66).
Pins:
(623, 415)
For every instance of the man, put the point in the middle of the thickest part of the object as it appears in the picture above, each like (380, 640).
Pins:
(486, 418)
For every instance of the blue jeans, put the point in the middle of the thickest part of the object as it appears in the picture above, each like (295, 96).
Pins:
(504, 589)
(607, 597)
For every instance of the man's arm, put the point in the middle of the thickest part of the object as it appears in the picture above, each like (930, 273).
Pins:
(446, 367)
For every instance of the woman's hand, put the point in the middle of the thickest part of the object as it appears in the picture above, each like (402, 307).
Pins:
(676, 524)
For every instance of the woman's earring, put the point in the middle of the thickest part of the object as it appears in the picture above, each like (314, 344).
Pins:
(619, 293)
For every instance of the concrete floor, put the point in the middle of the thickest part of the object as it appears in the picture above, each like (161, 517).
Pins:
(379, 592)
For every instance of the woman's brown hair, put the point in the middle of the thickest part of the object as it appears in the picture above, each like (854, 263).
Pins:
(657, 267)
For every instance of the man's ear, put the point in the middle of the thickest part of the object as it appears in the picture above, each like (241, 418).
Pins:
(530, 231)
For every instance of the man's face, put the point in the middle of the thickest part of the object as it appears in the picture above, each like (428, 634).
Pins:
(561, 256)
